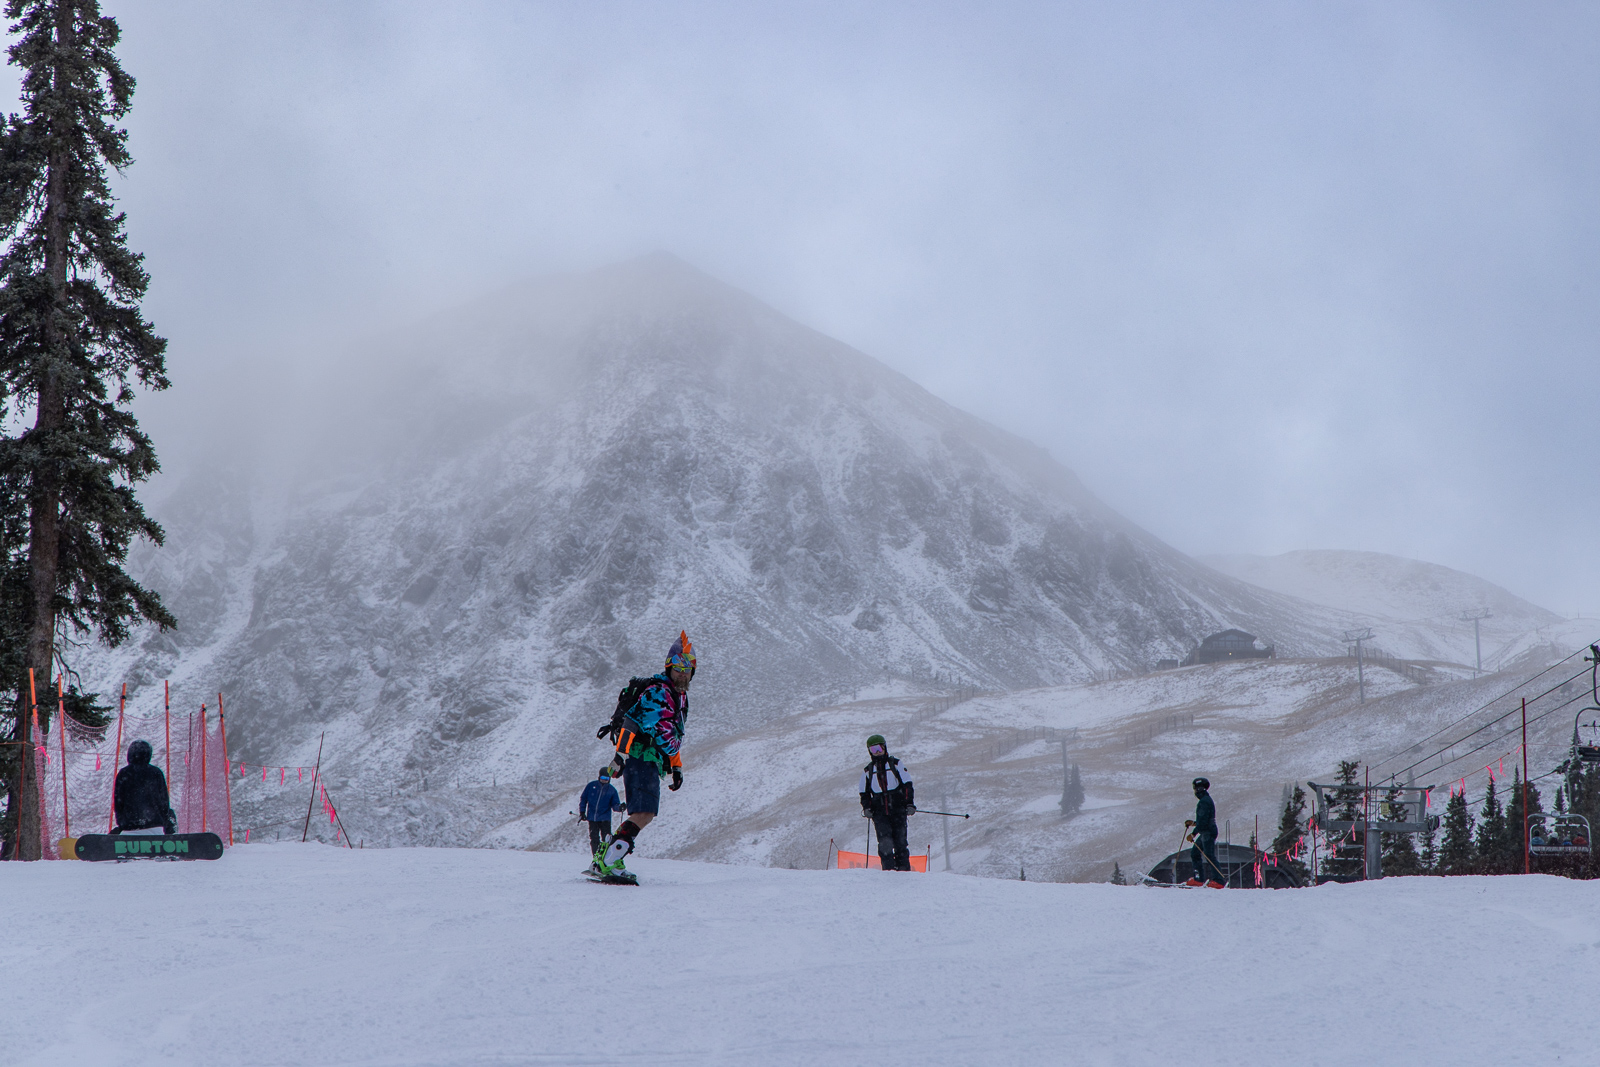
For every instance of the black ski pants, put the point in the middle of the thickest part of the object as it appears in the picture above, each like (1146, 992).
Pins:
(598, 832)
(893, 852)
(1203, 855)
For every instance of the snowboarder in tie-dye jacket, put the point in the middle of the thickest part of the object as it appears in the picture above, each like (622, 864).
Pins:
(648, 744)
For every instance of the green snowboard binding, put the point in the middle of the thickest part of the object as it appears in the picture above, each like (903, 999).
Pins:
(613, 873)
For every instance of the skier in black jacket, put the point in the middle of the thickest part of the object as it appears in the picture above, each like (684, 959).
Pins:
(1203, 832)
(888, 798)
(140, 797)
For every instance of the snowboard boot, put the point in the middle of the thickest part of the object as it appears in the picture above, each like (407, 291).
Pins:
(1194, 882)
(610, 861)
(1214, 884)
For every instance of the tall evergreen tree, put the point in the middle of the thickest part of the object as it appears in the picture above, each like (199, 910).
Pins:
(1490, 844)
(1428, 861)
(1348, 859)
(1117, 877)
(73, 343)
(1512, 846)
(1072, 796)
(1456, 854)
(1399, 850)
(1348, 796)
(1291, 829)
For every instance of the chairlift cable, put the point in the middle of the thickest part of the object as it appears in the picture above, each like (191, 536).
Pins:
(1498, 719)
(1490, 703)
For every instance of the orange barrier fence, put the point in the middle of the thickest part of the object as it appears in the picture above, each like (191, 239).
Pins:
(849, 860)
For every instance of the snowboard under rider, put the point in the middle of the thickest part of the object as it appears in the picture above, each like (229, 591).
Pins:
(595, 806)
(1203, 832)
(139, 797)
(888, 799)
(647, 751)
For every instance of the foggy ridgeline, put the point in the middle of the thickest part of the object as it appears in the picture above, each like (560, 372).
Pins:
(520, 503)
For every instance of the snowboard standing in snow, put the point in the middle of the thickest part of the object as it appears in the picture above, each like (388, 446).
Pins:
(149, 846)
(647, 751)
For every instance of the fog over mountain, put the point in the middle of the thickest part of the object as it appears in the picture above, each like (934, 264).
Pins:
(533, 494)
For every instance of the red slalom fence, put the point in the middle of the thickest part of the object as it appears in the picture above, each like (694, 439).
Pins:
(75, 768)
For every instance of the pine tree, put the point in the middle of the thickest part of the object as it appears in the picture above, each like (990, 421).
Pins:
(1512, 845)
(1348, 860)
(1491, 831)
(1291, 829)
(1456, 854)
(1399, 853)
(1428, 861)
(73, 343)
(1117, 877)
(1072, 796)
(1348, 795)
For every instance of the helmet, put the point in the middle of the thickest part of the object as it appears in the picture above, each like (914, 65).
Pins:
(681, 654)
(605, 773)
(1201, 783)
(139, 752)
(876, 741)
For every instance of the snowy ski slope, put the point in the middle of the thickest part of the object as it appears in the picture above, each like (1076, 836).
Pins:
(306, 955)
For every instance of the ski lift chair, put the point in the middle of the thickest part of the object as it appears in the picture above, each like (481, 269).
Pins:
(1558, 835)
(1589, 753)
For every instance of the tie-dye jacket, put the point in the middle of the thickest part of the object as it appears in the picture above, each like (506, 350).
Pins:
(656, 724)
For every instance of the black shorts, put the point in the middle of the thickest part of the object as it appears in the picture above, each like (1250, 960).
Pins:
(642, 782)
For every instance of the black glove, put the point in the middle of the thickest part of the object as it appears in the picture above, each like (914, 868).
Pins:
(866, 813)
(911, 809)
(677, 779)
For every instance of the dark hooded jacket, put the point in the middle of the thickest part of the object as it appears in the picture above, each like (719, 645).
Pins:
(140, 796)
(1205, 815)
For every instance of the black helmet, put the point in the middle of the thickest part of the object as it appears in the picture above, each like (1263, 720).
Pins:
(1201, 783)
(139, 752)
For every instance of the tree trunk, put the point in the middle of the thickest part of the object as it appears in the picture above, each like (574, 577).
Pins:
(44, 517)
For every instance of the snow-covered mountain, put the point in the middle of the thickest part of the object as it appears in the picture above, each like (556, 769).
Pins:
(508, 510)
(1415, 608)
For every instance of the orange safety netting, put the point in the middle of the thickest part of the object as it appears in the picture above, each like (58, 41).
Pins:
(76, 766)
(848, 860)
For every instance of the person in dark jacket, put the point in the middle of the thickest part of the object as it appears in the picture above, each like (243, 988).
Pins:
(888, 799)
(139, 797)
(595, 806)
(1203, 832)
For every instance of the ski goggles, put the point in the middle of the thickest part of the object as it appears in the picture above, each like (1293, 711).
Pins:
(682, 662)
(877, 750)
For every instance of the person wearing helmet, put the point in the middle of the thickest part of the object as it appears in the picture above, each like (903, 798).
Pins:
(1203, 832)
(647, 751)
(139, 796)
(888, 799)
(595, 806)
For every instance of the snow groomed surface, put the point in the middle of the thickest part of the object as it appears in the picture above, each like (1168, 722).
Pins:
(305, 954)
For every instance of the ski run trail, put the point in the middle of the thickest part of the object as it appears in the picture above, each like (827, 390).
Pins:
(307, 954)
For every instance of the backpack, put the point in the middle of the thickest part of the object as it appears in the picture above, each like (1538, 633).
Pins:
(625, 701)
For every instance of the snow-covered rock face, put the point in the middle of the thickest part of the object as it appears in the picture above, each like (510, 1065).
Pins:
(1416, 608)
(546, 487)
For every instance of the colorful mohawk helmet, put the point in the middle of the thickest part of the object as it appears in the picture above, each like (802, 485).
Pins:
(681, 654)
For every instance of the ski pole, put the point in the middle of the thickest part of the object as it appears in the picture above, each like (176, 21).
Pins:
(946, 814)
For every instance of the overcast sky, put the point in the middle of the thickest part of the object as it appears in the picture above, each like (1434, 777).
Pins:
(1267, 276)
